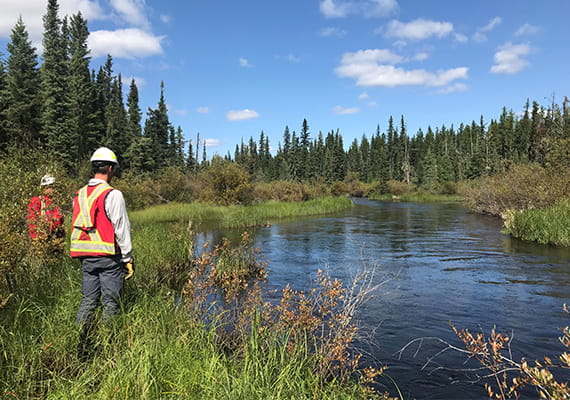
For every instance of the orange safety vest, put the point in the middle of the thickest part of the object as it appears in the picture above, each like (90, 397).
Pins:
(92, 233)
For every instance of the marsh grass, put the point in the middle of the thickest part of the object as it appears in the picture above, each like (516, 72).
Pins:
(419, 197)
(159, 348)
(239, 216)
(548, 226)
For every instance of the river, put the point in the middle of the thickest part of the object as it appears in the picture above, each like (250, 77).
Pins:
(438, 263)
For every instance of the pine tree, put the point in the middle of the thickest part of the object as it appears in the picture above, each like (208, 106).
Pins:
(191, 160)
(83, 112)
(23, 86)
(134, 114)
(3, 105)
(157, 127)
(55, 90)
(117, 135)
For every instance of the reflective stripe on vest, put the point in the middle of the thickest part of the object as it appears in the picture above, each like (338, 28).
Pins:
(87, 225)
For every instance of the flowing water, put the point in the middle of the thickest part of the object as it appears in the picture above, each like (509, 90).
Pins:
(439, 263)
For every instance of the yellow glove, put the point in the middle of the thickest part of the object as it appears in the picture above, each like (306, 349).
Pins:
(130, 267)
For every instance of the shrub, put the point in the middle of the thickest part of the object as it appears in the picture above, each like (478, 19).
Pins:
(398, 188)
(522, 187)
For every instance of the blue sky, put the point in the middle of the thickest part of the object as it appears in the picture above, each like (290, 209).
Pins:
(232, 69)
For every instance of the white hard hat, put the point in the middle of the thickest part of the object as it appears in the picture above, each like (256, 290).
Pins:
(47, 180)
(104, 154)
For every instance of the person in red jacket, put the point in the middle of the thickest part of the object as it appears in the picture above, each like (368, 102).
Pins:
(45, 220)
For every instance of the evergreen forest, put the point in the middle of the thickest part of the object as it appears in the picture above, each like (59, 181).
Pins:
(59, 104)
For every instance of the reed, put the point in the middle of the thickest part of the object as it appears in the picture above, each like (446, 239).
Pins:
(239, 216)
(547, 226)
(419, 197)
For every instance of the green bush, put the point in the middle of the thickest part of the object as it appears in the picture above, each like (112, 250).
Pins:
(548, 226)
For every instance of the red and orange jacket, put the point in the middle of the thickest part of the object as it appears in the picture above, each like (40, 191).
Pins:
(42, 211)
(92, 233)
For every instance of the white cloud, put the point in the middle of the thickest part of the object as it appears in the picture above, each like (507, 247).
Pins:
(421, 56)
(461, 38)
(139, 82)
(328, 32)
(124, 43)
(364, 57)
(365, 8)
(131, 12)
(509, 58)
(345, 111)
(372, 68)
(480, 36)
(372, 104)
(203, 110)
(457, 87)
(165, 18)
(243, 62)
(32, 12)
(293, 58)
(136, 40)
(363, 96)
(527, 30)
(241, 115)
(418, 29)
(492, 24)
(212, 142)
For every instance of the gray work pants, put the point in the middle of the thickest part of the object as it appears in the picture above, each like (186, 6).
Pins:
(103, 278)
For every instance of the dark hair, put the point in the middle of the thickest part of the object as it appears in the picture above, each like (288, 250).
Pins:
(101, 167)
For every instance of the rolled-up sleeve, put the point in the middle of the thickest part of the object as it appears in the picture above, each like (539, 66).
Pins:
(117, 212)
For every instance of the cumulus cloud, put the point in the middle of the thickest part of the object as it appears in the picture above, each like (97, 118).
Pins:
(363, 96)
(329, 32)
(418, 29)
(365, 8)
(345, 111)
(32, 12)
(375, 68)
(461, 38)
(510, 58)
(241, 115)
(134, 39)
(527, 30)
(203, 110)
(124, 43)
(212, 142)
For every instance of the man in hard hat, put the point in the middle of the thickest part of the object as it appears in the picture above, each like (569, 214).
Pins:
(45, 220)
(101, 239)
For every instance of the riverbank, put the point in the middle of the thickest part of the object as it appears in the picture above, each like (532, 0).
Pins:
(418, 197)
(168, 343)
(220, 217)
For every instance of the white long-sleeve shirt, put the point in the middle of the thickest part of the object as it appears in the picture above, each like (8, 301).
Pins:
(117, 212)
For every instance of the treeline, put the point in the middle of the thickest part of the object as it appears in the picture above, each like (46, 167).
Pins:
(428, 159)
(68, 109)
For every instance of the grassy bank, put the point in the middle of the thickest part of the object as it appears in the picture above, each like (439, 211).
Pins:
(548, 226)
(418, 197)
(239, 216)
(180, 335)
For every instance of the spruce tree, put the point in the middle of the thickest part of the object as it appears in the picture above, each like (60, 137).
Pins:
(22, 89)
(117, 135)
(3, 106)
(55, 90)
(157, 127)
(83, 112)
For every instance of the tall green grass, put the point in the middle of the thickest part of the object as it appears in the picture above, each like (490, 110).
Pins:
(548, 226)
(154, 349)
(419, 197)
(239, 216)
